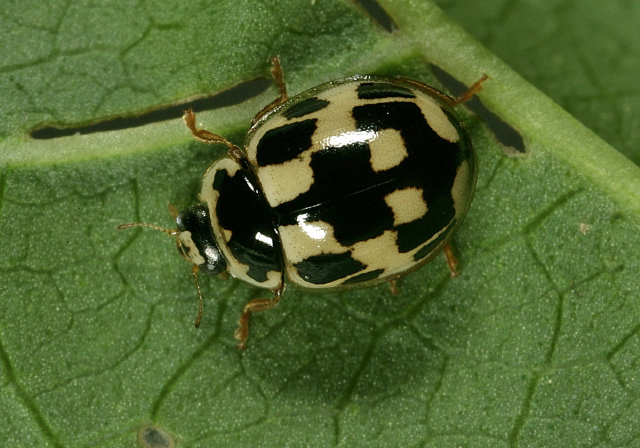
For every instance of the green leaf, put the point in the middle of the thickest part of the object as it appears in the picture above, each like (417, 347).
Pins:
(536, 344)
(582, 55)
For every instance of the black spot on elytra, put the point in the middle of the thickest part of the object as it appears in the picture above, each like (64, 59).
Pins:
(377, 90)
(305, 107)
(428, 248)
(349, 195)
(362, 278)
(285, 143)
(326, 268)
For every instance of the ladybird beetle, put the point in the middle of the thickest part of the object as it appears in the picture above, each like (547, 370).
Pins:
(352, 183)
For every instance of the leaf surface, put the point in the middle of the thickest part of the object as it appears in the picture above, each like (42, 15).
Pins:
(536, 344)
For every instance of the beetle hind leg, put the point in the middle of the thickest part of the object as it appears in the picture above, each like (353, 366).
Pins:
(254, 306)
(452, 261)
(393, 286)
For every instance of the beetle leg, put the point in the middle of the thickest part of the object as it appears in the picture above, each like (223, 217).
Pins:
(394, 287)
(452, 261)
(278, 76)
(208, 137)
(471, 91)
(255, 306)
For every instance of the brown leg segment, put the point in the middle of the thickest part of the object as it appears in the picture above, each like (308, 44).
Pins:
(452, 261)
(278, 76)
(208, 137)
(471, 91)
(255, 306)
(394, 287)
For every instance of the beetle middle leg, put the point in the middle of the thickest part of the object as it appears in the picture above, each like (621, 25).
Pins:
(255, 306)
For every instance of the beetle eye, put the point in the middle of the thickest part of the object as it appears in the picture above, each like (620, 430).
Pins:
(187, 248)
(210, 261)
(196, 242)
(215, 263)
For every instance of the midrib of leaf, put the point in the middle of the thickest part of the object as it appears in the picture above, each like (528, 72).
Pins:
(544, 125)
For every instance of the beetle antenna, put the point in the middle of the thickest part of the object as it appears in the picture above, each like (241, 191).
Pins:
(170, 232)
(194, 272)
(194, 269)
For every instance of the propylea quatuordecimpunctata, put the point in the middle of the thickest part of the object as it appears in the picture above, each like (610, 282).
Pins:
(355, 182)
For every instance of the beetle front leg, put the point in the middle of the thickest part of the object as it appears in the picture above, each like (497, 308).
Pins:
(278, 76)
(255, 306)
(471, 91)
(209, 137)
